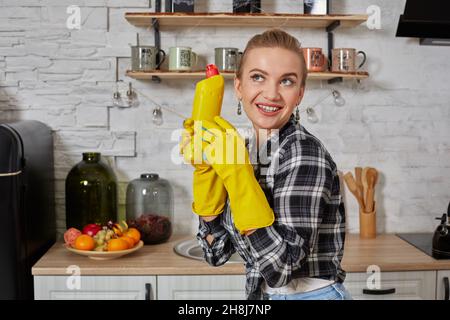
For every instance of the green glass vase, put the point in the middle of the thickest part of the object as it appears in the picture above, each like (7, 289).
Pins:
(91, 193)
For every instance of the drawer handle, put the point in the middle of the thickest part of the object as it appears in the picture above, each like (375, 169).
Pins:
(446, 289)
(379, 291)
(148, 291)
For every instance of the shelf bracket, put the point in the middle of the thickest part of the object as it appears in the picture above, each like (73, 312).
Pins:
(330, 35)
(155, 24)
(332, 26)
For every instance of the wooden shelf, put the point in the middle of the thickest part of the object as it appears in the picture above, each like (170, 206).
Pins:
(330, 22)
(230, 75)
(144, 19)
(144, 75)
(332, 75)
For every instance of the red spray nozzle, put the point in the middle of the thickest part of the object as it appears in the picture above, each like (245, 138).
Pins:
(211, 70)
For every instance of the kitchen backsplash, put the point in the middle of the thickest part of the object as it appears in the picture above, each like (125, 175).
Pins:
(397, 121)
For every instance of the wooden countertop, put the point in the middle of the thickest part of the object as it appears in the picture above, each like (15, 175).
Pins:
(388, 252)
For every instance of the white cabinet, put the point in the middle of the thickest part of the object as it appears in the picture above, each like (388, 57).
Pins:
(94, 287)
(392, 285)
(407, 285)
(442, 285)
(217, 287)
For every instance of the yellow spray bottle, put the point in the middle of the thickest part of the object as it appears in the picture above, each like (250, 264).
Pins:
(208, 95)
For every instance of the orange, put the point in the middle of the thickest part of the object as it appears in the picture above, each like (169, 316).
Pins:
(117, 245)
(133, 233)
(84, 242)
(129, 240)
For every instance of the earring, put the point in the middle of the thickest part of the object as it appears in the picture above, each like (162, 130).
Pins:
(297, 115)
(239, 108)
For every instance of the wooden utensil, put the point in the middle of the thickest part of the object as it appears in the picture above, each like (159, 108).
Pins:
(351, 185)
(375, 173)
(364, 183)
(372, 177)
(358, 174)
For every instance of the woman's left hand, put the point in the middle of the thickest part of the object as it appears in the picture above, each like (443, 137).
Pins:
(208, 189)
(227, 154)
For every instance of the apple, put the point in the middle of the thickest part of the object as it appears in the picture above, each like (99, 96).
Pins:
(91, 229)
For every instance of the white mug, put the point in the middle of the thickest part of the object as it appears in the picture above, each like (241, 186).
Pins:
(182, 59)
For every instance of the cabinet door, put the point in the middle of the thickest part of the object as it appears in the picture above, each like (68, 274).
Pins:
(442, 285)
(393, 285)
(223, 287)
(95, 288)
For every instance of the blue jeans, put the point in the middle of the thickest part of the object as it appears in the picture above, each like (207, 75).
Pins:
(335, 291)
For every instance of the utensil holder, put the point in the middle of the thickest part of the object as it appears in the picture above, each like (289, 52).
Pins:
(367, 224)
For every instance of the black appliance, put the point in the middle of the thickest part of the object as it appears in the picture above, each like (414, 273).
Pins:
(427, 20)
(422, 241)
(437, 244)
(441, 238)
(27, 216)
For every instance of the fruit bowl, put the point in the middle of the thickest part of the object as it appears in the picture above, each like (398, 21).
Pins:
(105, 255)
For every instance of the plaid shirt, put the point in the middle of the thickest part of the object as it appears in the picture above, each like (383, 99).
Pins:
(307, 237)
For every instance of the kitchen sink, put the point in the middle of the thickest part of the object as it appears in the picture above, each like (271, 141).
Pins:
(191, 249)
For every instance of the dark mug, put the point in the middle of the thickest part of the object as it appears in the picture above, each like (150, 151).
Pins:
(143, 58)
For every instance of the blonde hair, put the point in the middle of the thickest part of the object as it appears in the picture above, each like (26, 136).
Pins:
(274, 38)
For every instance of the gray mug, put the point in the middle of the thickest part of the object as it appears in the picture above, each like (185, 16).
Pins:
(227, 59)
(143, 58)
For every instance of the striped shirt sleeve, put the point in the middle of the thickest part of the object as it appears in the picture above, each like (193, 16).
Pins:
(221, 248)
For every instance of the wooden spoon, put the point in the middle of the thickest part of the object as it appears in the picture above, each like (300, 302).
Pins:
(372, 177)
(351, 185)
(375, 173)
(364, 183)
(358, 174)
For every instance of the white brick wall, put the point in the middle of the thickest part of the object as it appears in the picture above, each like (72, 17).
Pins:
(65, 78)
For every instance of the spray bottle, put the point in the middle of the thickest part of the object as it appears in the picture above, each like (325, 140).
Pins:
(208, 95)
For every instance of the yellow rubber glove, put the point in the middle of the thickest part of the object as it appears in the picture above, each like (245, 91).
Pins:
(209, 192)
(229, 158)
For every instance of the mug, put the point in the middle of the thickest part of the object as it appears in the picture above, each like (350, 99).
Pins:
(182, 59)
(249, 6)
(315, 60)
(143, 58)
(181, 5)
(227, 59)
(315, 6)
(344, 59)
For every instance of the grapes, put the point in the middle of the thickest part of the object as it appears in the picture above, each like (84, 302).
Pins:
(101, 239)
(101, 233)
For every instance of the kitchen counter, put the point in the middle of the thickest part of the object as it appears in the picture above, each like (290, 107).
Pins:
(388, 252)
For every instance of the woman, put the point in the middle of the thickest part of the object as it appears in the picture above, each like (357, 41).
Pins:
(284, 217)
